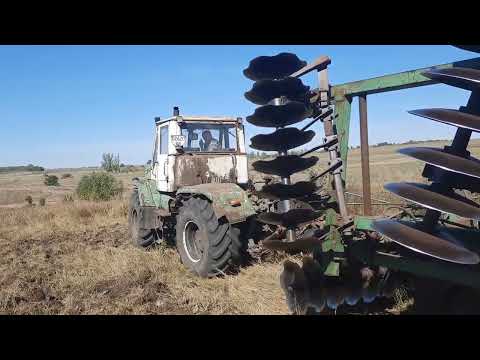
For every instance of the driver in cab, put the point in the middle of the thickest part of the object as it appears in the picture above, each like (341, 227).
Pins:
(209, 143)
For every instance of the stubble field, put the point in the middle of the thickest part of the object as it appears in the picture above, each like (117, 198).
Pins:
(76, 258)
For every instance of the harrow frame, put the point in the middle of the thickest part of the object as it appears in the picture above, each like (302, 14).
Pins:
(342, 96)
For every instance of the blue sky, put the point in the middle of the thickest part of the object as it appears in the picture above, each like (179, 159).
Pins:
(63, 106)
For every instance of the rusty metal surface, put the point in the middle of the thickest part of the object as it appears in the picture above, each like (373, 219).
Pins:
(279, 115)
(439, 158)
(264, 91)
(365, 159)
(228, 199)
(273, 67)
(290, 218)
(452, 117)
(424, 195)
(464, 78)
(285, 166)
(203, 169)
(282, 139)
(280, 191)
(424, 243)
(318, 64)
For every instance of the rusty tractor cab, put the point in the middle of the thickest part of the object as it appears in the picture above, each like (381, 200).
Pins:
(193, 192)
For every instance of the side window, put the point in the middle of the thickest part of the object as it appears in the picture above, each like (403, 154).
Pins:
(155, 149)
(164, 139)
(231, 139)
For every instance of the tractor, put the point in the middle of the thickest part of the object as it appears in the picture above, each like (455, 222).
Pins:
(194, 192)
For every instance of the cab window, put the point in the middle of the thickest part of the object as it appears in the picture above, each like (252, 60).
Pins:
(155, 149)
(210, 137)
(164, 140)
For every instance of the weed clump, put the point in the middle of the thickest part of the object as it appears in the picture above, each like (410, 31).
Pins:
(51, 180)
(99, 187)
(29, 200)
(66, 176)
(41, 201)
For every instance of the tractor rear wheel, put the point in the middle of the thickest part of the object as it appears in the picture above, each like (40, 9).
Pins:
(140, 237)
(207, 246)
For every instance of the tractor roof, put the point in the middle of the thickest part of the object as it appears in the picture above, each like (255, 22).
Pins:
(199, 119)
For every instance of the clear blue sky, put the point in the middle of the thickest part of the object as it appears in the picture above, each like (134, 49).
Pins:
(63, 106)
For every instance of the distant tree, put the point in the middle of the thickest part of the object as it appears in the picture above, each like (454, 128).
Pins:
(110, 162)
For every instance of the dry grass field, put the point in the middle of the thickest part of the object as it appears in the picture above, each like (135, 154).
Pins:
(75, 257)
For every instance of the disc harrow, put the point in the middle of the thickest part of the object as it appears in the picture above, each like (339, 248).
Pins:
(359, 258)
(447, 169)
(284, 101)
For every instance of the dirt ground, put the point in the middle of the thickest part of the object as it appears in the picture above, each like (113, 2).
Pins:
(75, 257)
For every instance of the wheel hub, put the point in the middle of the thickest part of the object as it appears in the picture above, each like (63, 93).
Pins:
(192, 242)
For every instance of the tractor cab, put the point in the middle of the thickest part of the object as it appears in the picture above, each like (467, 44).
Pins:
(193, 150)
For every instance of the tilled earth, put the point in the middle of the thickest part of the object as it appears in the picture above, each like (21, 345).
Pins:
(77, 259)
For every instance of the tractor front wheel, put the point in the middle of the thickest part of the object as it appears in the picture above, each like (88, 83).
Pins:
(206, 245)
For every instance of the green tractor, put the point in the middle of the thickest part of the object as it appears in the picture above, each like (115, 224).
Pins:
(194, 193)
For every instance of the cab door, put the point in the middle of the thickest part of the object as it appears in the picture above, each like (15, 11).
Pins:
(160, 166)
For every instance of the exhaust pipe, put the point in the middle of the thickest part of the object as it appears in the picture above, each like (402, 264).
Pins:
(176, 111)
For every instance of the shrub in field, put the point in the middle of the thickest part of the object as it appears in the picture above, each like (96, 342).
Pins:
(127, 169)
(68, 198)
(29, 200)
(66, 176)
(41, 202)
(99, 187)
(51, 180)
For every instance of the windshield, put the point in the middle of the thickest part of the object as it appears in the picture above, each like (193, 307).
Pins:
(209, 137)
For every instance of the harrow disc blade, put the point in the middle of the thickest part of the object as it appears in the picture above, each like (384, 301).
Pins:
(264, 91)
(424, 243)
(335, 297)
(273, 67)
(277, 116)
(280, 191)
(282, 139)
(284, 166)
(295, 287)
(423, 195)
(451, 117)
(439, 158)
(290, 218)
(473, 48)
(464, 78)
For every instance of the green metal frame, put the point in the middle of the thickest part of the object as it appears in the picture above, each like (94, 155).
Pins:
(343, 95)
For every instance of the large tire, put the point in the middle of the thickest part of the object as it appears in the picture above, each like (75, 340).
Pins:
(208, 247)
(140, 237)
